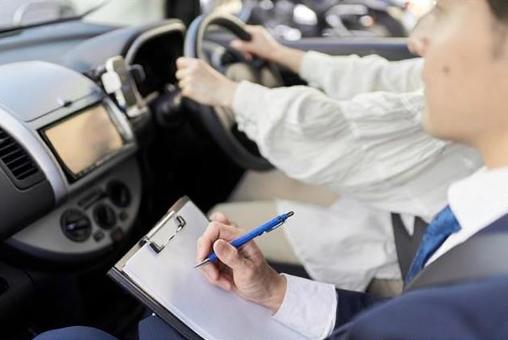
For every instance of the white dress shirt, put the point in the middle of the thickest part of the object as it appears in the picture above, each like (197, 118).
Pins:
(476, 201)
(360, 236)
(370, 146)
(359, 133)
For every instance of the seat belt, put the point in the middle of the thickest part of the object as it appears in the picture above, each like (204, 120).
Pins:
(480, 257)
(405, 244)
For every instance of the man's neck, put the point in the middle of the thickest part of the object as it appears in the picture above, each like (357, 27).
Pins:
(494, 150)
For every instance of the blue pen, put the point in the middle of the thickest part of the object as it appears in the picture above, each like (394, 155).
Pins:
(269, 226)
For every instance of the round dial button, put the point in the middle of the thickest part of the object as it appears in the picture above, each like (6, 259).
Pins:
(76, 225)
(119, 194)
(104, 216)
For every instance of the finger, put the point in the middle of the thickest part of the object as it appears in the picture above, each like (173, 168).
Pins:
(238, 44)
(182, 73)
(222, 279)
(225, 283)
(188, 92)
(220, 217)
(228, 255)
(185, 92)
(211, 272)
(214, 232)
(243, 48)
(180, 66)
(250, 250)
(252, 28)
(183, 89)
(183, 83)
(185, 86)
(229, 276)
(183, 61)
(248, 56)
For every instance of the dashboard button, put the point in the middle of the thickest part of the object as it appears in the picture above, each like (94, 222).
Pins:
(98, 236)
(104, 216)
(117, 235)
(76, 225)
(124, 216)
(119, 194)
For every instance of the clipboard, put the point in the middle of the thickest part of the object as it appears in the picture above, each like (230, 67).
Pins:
(118, 275)
(159, 271)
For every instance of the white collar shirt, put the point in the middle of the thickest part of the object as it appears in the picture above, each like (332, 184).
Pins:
(477, 202)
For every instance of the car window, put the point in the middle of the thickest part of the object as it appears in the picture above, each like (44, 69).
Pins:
(19, 13)
(295, 19)
(128, 12)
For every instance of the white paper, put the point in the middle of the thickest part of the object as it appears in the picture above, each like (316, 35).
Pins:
(171, 279)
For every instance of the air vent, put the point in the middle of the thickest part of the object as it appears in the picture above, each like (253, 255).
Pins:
(20, 166)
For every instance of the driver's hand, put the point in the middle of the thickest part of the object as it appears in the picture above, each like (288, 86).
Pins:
(262, 44)
(200, 82)
(243, 271)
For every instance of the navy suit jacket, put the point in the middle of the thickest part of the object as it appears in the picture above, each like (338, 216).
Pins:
(469, 310)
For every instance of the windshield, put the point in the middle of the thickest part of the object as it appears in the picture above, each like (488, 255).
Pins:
(19, 13)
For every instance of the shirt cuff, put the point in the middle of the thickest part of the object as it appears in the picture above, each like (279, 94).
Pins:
(309, 307)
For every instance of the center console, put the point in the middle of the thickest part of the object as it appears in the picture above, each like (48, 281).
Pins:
(74, 186)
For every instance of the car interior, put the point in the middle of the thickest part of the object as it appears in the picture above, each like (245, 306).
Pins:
(96, 143)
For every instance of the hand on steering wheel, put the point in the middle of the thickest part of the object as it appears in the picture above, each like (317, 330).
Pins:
(199, 81)
(215, 93)
(261, 44)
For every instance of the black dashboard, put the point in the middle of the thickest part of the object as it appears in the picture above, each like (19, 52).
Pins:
(67, 151)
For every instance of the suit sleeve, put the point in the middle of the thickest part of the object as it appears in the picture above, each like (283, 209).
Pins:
(350, 304)
(476, 310)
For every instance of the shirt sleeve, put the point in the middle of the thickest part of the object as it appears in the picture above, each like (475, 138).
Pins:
(309, 307)
(343, 77)
(365, 146)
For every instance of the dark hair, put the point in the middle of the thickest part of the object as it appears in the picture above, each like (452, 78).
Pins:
(499, 9)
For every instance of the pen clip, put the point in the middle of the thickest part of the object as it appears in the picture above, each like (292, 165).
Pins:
(277, 226)
(282, 220)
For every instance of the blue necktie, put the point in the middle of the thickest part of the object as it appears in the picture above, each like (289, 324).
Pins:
(442, 226)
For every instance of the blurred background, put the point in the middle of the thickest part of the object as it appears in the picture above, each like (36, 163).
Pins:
(286, 19)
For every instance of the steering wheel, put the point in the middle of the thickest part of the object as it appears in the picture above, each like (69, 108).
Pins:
(232, 64)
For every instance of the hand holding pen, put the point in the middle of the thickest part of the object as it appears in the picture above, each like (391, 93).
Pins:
(266, 227)
(243, 270)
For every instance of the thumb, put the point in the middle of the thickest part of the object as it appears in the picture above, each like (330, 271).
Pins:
(183, 61)
(238, 44)
(242, 47)
(228, 254)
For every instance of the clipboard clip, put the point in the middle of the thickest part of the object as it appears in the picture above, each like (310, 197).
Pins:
(157, 247)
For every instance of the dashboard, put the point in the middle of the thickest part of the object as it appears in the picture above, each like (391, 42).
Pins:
(69, 176)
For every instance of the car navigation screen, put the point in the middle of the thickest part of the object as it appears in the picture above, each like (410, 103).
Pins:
(84, 140)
